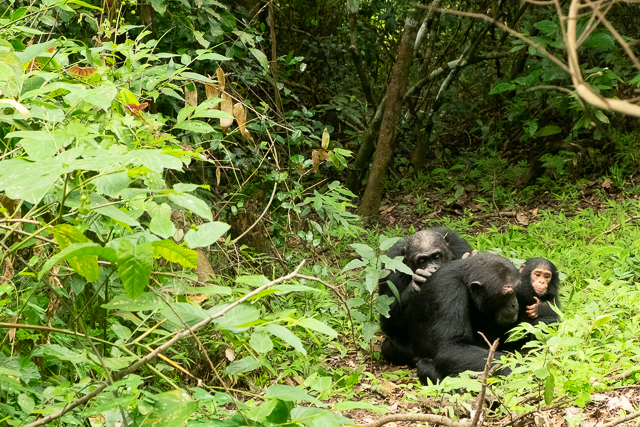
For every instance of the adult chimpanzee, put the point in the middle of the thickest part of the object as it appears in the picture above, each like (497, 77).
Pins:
(464, 297)
(538, 288)
(424, 253)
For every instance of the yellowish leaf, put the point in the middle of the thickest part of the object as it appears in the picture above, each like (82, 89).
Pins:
(325, 139)
(16, 105)
(316, 160)
(220, 75)
(227, 106)
(190, 96)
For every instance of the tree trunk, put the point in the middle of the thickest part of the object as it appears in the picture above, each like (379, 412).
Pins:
(386, 140)
(361, 163)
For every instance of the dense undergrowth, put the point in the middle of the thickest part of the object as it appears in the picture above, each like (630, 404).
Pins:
(146, 186)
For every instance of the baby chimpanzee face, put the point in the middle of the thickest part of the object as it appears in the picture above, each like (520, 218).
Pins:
(540, 279)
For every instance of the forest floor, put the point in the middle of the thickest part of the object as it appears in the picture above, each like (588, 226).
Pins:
(389, 389)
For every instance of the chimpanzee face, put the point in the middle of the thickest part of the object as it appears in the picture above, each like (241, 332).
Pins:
(540, 279)
(494, 293)
(427, 250)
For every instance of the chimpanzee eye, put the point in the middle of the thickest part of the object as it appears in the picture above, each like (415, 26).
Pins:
(436, 256)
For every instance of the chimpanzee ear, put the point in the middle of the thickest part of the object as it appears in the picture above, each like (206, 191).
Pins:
(476, 285)
(521, 267)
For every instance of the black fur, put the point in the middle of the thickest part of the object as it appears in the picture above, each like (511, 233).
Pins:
(526, 296)
(430, 248)
(464, 297)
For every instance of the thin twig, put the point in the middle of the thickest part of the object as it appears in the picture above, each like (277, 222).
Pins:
(485, 375)
(25, 233)
(178, 336)
(264, 212)
(421, 418)
(615, 227)
(622, 419)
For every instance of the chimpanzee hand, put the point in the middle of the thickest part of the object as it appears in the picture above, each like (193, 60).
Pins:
(420, 276)
(532, 310)
(468, 254)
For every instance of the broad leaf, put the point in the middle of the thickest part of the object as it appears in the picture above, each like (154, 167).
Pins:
(172, 252)
(145, 302)
(193, 204)
(78, 251)
(170, 409)
(134, 266)
(287, 336)
(260, 341)
(206, 234)
(318, 326)
(162, 226)
(288, 394)
(156, 160)
(243, 365)
(112, 184)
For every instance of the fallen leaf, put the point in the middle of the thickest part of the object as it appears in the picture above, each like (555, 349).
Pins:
(229, 354)
(535, 212)
(606, 184)
(522, 219)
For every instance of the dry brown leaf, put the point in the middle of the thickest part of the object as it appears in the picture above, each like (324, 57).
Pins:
(316, 160)
(227, 107)
(210, 90)
(7, 272)
(241, 117)
(203, 270)
(606, 184)
(324, 155)
(620, 402)
(228, 352)
(522, 219)
(217, 176)
(12, 331)
(535, 212)
(299, 167)
(220, 75)
(197, 298)
(190, 96)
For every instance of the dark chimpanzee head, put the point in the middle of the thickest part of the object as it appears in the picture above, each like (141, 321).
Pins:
(492, 281)
(427, 249)
(541, 274)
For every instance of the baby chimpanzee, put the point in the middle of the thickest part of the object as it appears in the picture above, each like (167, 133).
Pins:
(538, 288)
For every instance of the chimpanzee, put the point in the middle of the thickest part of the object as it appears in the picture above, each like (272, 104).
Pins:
(424, 253)
(539, 287)
(464, 297)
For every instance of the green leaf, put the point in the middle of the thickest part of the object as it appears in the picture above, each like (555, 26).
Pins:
(193, 204)
(317, 417)
(26, 403)
(260, 342)
(603, 40)
(548, 130)
(396, 264)
(549, 386)
(196, 126)
(369, 329)
(182, 313)
(213, 57)
(236, 317)
(601, 320)
(285, 289)
(162, 226)
(134, 266)
(287, 336)
(601, 116)
(353, 6)
(502, 87)
(170, 409)
(288, 394)
(156, 160)
(355, 263)
(60, 352)
(206, 234)
(318, 326)
(27, 180)
(172, 252)
(387, 242)
(102, 95)
(65, 235)
(87, 270)
(243, 365)
(110, 210)
(261, 57)
(253, 281)
(113, 363)
(145, 302)
(364, 251)
(112, 184)
(547, 27)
